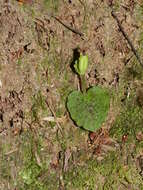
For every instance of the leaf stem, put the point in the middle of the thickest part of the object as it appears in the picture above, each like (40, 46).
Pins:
(82, 83)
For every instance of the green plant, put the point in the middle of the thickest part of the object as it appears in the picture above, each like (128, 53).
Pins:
(88, 108)
(81, 64)
(30, 174)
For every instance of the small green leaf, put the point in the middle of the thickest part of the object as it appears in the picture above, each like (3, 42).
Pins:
(89, 110)
(81, 65)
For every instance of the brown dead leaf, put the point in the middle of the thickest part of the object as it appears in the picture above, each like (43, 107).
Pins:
(25, 1)
(55, 161)
(92, 136)
(101, 142)
(66, 158)
(139, 136)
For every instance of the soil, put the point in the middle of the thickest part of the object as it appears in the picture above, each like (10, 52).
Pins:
(38, 42)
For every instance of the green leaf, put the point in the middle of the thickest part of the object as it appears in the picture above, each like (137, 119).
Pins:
(81, 64)
(89, 110)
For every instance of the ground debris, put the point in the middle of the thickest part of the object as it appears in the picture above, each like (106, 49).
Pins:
(101, 143)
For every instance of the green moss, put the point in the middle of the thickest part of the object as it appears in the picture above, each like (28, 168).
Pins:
(30, 173)
(108, 174)
(52, 4)
(33, 175)
(129, 122)
(65, 90)
(19, 61)
(139, 12)
(42, 76)
(134, 72)
(116, 6)
(128, 101)
(39, 107)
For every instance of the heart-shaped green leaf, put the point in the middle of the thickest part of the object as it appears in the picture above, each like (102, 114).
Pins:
(89, 110)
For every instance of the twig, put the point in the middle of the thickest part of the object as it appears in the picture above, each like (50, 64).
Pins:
(11, 151)
(127, 38)
(68, 27)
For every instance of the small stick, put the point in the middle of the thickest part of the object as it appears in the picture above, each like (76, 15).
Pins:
(11, 151)
(69, 27)
(127, 38)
